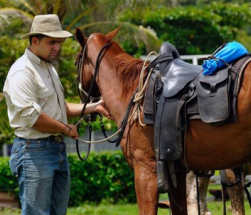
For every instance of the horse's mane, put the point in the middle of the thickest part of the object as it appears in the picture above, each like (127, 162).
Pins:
(128, 68)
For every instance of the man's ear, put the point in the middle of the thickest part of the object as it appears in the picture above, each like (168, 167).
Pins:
(35, 41)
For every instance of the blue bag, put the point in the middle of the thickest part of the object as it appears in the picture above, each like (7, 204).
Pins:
(230, 52)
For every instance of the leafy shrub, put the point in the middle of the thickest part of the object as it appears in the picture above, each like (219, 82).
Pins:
(8, 182)
(104, 175)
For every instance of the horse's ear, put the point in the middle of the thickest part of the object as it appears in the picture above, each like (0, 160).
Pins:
(81, 38)
(112, 34)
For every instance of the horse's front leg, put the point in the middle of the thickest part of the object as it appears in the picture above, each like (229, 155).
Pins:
(138, 150)
(146, 189)
(145, 176)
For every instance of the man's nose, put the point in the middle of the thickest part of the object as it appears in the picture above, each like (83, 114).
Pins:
(56, 47)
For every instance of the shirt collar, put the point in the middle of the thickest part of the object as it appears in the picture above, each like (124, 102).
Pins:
(34, 58)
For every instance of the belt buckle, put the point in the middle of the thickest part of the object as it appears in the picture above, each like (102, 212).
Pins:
(59, 138)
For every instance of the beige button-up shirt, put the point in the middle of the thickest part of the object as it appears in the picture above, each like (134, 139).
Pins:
(32, 86)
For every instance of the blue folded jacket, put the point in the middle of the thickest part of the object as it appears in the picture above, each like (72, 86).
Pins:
(230, 52)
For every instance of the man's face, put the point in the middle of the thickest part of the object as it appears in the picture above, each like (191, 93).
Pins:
(47, 48)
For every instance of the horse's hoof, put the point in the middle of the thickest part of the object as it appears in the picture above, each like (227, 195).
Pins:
(163, 204)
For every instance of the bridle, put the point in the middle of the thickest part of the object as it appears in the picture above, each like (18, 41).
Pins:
(80, 62)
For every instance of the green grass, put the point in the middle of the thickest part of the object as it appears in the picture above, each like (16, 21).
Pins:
(107, 209)
(104, 208)
(215, 208)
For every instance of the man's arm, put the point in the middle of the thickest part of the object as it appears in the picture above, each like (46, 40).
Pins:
(48, 125)
(74, 110)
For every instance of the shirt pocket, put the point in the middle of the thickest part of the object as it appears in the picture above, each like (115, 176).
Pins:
(44, 92)
(47, 99)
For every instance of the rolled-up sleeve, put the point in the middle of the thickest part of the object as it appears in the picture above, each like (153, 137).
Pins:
(23, 95)
(30, 114)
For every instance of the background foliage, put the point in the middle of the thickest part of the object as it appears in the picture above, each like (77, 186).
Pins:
(195, 30)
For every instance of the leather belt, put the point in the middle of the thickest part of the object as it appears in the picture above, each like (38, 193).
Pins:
(52, 138)
(58, 138)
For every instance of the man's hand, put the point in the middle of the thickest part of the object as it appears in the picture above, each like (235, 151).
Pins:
(71, 131)
(101, 108)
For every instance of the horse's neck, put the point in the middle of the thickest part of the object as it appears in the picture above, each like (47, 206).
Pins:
(112, 93)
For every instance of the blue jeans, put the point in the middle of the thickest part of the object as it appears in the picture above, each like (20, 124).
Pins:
(42, 169)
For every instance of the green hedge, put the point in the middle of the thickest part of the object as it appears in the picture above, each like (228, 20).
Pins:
(104, 176)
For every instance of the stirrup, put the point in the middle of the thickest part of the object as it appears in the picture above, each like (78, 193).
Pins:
(162, 177)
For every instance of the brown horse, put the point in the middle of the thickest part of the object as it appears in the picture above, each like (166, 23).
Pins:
(207, 147)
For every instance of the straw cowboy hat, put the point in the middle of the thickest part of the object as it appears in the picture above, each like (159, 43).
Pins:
(48, 25)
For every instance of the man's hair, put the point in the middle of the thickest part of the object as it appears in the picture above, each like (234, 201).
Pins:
(39, 36)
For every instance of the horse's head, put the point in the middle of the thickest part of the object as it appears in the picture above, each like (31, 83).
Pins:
(87, 61)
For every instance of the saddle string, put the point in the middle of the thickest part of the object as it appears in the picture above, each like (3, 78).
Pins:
(142, 86)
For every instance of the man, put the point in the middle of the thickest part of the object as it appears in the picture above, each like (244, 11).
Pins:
(38, 114)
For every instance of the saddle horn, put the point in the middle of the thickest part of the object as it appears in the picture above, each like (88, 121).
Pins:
(167, 48)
